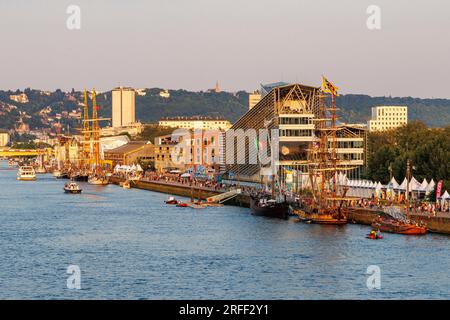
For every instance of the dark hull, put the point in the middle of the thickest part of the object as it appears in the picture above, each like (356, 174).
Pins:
(277, 210)
(72, 191)
(80, 178)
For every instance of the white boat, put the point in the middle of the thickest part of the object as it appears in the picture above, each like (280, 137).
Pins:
(72, 188)
(26, 173)
(99, 181)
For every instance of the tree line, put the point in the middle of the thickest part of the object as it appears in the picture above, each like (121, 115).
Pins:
(428, 150)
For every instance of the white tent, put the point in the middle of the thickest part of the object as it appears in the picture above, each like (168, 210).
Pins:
(445, 196)
(430, 186)
(424, 185)
(403, 185)
(394, 183)
(414, 185)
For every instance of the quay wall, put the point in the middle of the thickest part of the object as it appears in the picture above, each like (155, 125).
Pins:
(181, 190)
(364, 216)
(439, 224)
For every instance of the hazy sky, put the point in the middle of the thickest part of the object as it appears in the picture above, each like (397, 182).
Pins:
(192, 43)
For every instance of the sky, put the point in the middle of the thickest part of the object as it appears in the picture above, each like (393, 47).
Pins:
(191, 44)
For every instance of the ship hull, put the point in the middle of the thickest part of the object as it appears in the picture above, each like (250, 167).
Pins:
(72, 191)
(400, 228)
(26, 178)
(327, 219)
(277, 210)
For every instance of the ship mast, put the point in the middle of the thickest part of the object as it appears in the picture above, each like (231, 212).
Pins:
(86, 133)
(95, 133)
(408, 173)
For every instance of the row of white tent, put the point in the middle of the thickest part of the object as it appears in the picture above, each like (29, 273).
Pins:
(414, 185)
(393, 186)
(125, 168)
(366, 188)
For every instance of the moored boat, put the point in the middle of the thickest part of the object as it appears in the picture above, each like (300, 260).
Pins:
(398, 220)
(264, 206)
(60, 174)
(326, 217)
(400, 227)
(126, 185)
(26, 173)
(98, 180)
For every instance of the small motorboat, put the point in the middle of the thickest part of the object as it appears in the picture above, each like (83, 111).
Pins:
(182, 205)
(126, 185)
(374, 235)
(171, 200)
(72, 188)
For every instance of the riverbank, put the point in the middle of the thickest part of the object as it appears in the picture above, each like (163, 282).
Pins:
(364, 216)
(181, 190)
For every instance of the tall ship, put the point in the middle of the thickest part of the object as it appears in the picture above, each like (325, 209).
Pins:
(398, 220)
(26, 173)
(326, 203)
(97, 175)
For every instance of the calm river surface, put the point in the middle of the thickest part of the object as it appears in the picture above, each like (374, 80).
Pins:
(130, 245)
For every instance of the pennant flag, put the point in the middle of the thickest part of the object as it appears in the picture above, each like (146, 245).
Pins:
(328, 87)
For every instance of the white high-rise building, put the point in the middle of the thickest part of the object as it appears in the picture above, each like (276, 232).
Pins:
(253, 99)
(4, 138)
(123, 107)
(388, 117)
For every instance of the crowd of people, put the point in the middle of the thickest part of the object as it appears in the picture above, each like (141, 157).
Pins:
(422, 207)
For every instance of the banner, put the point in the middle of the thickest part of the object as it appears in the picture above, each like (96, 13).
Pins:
(439, 189)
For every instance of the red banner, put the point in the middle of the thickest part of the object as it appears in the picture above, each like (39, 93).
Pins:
(439, 189)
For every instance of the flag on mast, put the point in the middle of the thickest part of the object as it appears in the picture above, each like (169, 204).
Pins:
(328, 87)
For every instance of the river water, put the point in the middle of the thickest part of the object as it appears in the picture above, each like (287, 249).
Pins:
(128, 244)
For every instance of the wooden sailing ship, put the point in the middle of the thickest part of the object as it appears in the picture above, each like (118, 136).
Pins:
(327, 202)
(397, 225)
(97, 175)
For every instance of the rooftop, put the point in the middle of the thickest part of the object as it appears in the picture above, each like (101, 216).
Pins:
(193, 118)
(129, 147)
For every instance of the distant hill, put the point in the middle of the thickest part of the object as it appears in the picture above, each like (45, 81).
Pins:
(433, 112)
(45, 108)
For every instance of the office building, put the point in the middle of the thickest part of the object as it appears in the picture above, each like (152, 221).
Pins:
(388, 117)
(123, 107)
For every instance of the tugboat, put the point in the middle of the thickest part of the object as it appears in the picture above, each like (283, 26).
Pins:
(72, 188)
